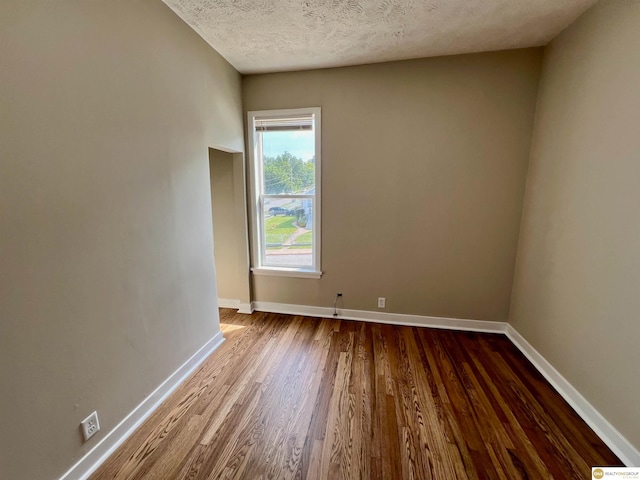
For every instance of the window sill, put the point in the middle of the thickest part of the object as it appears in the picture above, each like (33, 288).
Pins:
(286, 272)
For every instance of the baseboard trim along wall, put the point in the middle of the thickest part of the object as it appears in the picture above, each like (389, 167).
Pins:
(629, 455)
(98, 454)
(228, 303)
(246, 308)
(383, 317)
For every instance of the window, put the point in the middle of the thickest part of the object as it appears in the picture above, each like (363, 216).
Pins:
(285, 157)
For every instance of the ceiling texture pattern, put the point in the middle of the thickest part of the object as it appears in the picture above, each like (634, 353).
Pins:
(258, 36)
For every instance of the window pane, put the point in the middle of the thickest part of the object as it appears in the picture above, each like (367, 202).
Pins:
(285, 155)
(287, 232)
(288, 162)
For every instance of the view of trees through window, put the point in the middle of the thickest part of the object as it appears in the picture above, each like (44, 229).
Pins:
(288, 174)
(288, 193)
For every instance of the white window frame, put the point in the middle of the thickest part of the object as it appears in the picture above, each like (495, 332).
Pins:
(257, 212)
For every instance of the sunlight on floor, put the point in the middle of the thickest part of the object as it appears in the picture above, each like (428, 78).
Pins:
(230, 327)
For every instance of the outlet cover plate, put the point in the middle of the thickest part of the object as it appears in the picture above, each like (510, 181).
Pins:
(90, 426)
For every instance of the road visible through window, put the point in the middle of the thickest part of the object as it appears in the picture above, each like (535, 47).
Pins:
(288, 232)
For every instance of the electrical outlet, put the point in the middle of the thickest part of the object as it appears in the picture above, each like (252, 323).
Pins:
(382, 302)
(90, 426)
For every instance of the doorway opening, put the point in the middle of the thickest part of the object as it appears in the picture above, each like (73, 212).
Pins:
(230, 235)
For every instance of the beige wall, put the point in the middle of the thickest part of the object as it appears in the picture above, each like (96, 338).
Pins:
(228, 202)
(576, 292)
(423, 173)
(107, 282)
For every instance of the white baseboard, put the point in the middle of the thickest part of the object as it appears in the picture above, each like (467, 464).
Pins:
(609, 435)
(98, 454)
(629, 455)
(246, 308)
(228, 303)
(383, 317)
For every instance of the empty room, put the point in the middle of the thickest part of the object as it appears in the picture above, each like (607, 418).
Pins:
(385, 239)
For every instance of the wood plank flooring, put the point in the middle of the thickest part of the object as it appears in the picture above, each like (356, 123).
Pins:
(288, 397)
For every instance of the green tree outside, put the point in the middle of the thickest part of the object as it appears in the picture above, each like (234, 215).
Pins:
(288, 174)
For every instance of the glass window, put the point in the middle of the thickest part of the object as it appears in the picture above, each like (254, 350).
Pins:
(285, 156)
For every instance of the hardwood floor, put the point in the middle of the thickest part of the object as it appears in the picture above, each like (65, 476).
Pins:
(305, 398)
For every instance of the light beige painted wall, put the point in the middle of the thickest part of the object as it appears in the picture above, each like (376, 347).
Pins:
(423, 173)
(575, 295)
(107, 285)
(228, 202)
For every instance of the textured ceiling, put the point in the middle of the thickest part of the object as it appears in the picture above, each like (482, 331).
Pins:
(258, 36)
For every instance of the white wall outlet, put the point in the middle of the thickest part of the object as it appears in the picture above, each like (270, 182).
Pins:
(382, 302)
(90, 426)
